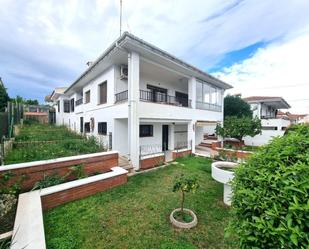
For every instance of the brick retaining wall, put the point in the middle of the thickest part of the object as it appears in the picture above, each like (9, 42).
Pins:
(151, 162)
(68, 195)
(33, 172)
(181, 154)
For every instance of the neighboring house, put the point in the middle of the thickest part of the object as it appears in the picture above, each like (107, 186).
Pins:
(142, 101)
(294, 118)
(304, 120)
(266, 109)
(40, 113)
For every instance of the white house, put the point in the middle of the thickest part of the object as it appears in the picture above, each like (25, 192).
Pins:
(266, 109)
(142, 101)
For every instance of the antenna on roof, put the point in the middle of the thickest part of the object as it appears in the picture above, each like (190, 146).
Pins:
(120, 16)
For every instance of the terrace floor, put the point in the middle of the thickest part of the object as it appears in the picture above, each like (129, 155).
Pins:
(136, 215)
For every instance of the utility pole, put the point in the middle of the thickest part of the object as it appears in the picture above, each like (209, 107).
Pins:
(120, 16)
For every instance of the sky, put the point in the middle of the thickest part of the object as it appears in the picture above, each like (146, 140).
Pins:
(259, 47)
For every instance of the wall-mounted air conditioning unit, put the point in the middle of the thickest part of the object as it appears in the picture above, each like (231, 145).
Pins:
(123, 72)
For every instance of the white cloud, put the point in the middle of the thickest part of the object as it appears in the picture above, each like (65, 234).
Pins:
(280, 69)
(64, 35)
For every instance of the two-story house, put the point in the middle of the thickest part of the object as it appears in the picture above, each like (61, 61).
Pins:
(142, 101)
(266, 109)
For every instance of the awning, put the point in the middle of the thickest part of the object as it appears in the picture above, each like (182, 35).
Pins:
(207, 123)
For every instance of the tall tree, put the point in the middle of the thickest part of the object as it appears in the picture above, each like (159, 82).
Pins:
(20, 99)
(4, 97)
(236, 106)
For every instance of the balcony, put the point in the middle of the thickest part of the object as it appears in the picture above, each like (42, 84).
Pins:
(162, 98)
(121, 97)
(79, 102)
(208, 106)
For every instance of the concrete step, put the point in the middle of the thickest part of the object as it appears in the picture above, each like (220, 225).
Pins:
(124, 163)
(210, 137)
(208, 145)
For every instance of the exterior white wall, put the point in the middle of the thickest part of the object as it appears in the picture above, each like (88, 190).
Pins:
(162, 111)
(123, 118)
(120, 84)
(199, 135)
(181, 133)
(120, 141)
(267, 135)
(209, 129)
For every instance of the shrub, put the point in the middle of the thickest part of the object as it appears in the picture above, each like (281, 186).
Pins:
(48, 181)
(7, 202)
(271, 194)
(235, 127)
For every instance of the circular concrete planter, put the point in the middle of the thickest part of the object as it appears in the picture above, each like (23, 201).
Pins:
(224, 176)
(179, 224)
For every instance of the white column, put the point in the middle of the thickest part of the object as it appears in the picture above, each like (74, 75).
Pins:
(191, 134)
(171, 137)
(192, 91)
(133, 117)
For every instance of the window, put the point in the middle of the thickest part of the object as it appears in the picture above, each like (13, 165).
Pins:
(283, 128)
(103, 93)
(182, 98)
(87, 127)
(81, 127)
(72, 105)
(87, 96)
(270, 128)
(146, 130)
(208, 96)
(102, 128)
(58, 104)
(66, 105)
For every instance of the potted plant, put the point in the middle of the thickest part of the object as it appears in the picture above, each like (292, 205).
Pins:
(183, 217)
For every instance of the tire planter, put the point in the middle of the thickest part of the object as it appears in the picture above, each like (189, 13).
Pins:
(180, 224)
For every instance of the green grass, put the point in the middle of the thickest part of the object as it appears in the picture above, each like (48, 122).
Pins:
(66, 143)
(136, 215)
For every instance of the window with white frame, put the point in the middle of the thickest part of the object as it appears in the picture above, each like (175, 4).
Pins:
(208, 96)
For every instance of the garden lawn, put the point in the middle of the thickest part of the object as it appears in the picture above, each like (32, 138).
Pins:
(41, 142)
(136, 215)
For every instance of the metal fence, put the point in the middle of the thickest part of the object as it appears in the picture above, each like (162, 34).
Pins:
(14, 116)
(150, 149)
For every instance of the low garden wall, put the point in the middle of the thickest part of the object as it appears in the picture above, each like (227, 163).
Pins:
(151, 161)
(29, 226)
(27, 174)
(230, 153)
(54, 196)
(181, 153)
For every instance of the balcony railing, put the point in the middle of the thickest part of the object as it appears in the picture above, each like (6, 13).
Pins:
(122, 96)
(78, 102)
(157, 97)
(208, 106)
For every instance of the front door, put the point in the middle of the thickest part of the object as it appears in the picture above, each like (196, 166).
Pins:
(164, 137)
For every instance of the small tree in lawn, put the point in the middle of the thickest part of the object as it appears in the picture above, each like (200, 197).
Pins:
(185, 185)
